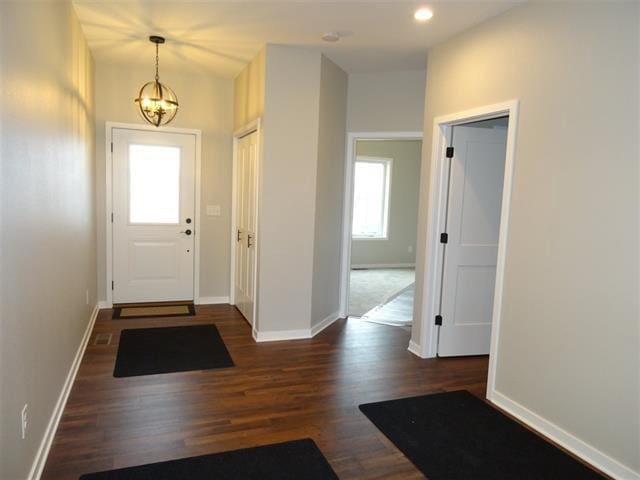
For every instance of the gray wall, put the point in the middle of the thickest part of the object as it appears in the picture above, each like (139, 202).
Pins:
(48, 226)
(329, 191)
(206, 103)
(386, 101)
(248, 92)
(287, 190)
(568, 348)
(403, 205)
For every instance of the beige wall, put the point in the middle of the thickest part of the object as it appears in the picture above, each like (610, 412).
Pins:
(329, 191)
(301, 97)
(48, 225)
(386, 101)
(568, 348)
(403, 204)
(288, 181)
(249, 92)
(206, 103)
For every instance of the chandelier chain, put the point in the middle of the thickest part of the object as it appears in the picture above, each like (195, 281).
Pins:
(157, 62)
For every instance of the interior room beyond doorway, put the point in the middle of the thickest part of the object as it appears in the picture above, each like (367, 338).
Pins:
(386, 182)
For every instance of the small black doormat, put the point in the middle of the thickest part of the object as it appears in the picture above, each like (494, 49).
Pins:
(296, 460)
(456, 436)
(150, 311)
(147, 351)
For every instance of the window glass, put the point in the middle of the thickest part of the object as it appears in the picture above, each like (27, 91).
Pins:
(154, 184)
(371, 198)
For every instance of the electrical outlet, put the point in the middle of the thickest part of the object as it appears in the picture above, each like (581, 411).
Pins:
(410, 248)
(24, 421)
(86, 296)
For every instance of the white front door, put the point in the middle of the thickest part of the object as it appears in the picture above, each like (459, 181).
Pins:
(153, 215)
(473, 226)
(246, 223)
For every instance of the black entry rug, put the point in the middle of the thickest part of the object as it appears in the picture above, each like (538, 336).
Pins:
(147, 351)
(296, 460)
(456, 436)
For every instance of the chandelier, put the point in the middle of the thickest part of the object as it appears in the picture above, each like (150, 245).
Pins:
(157, 103)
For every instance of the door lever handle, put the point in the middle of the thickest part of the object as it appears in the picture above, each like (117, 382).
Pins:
(239, 235)
(186, 232)
(249, 238)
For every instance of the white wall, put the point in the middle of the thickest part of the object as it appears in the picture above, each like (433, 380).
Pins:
(568, 348)
(403, 204)
(386, 101)
(206, 103)
(48, 223)
(329, 192)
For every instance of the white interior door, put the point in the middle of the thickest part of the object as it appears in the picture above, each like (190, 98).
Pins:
(246, 224)
(473, 226)
(153, 215)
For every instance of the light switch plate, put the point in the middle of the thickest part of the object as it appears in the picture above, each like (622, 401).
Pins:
(213, 210)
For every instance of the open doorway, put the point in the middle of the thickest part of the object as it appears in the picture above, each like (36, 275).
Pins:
(467, 231)
(383, 175)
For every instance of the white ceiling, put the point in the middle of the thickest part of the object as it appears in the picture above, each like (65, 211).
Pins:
(221, 37)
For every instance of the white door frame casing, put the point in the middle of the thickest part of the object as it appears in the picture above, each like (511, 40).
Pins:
(442, 127)
(249, 128)
(347, 210)
(109, 201)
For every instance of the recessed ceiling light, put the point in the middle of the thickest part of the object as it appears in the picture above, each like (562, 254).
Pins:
(331, 37)
(423, 14)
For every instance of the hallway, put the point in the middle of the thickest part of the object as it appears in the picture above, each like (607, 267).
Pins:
(277, 391)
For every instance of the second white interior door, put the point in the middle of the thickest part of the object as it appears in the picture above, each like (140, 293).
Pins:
(473, 227)
(246, 224)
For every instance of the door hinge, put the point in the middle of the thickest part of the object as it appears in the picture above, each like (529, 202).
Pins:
(449, 152)
(438, 320)
(112, 218)
(111, 147)
(112, 284)
(444, 238)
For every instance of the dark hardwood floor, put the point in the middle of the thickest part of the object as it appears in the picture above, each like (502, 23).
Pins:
(277, 391)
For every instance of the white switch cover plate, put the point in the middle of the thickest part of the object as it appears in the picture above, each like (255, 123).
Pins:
(213, 210)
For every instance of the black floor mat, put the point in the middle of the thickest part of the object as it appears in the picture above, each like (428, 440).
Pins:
(296, 460)
(456, 436)
(147, 351)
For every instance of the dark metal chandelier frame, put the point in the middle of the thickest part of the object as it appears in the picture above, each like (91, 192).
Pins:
(157, 103)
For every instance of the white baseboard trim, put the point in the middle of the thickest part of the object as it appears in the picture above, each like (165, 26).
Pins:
(326, 321)
(45, 445)
(211, 300)
(416, 349)
(586, 452)
(383, 265)
(280, 335)
(198, 301)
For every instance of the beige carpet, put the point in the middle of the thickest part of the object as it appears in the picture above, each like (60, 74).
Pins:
(370, 288)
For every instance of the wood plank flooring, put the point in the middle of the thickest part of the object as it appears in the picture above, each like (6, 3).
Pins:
(277, 391)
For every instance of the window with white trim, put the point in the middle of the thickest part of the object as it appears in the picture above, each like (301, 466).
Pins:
(371, 185)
